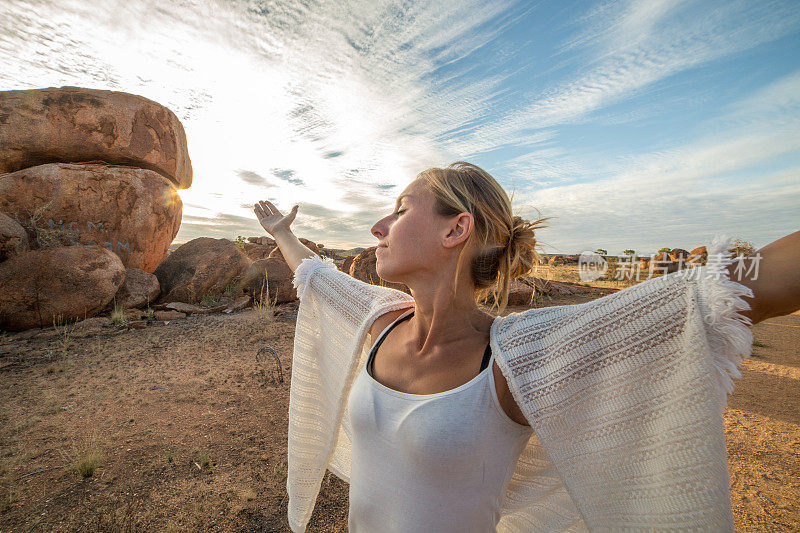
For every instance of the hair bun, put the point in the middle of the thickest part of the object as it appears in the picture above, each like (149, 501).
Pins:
(522, 246)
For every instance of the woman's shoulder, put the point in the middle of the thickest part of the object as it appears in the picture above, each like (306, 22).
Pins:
(384, 320)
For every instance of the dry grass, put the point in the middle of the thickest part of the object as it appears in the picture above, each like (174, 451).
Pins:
(118, 316)
(85, 456)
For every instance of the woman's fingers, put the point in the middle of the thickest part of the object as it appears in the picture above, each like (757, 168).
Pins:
(271, 208)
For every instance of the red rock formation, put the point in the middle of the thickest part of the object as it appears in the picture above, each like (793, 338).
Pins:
(76, 124)
(133, 212)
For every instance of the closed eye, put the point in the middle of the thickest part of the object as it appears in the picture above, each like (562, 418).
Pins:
(398, 212)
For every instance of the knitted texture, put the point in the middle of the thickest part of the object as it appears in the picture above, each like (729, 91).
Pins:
(624, 394)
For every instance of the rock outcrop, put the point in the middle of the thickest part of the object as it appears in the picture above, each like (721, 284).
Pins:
(198, 267)
(76, 124)
(257, 251)
(133, 212)
(39, 287)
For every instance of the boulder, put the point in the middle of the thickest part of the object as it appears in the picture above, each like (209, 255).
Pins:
(133, 212)
(269, 277)
(520, 293)
(266, 241)
(13, 238)
(71, 282)
(200, 266)
(347, 262)
(138, 290)
(257, 251)
(697, 257)
(363, 268)
(663, 264)
(76, 124)
(678, 254)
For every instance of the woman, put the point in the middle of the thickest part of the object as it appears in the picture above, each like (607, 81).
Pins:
(600, 415)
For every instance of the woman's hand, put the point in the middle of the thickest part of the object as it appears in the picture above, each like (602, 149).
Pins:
(271, 219)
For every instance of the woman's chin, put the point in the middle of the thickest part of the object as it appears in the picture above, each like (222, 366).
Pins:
(382, 273)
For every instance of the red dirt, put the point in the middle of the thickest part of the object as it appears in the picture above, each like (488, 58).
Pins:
(194, 385)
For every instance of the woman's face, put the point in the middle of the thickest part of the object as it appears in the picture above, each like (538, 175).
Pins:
(410, 239)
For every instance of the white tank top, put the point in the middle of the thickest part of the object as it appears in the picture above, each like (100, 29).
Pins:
(429, 462)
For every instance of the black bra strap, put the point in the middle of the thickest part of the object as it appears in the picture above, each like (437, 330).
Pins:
(375, 347)
(487, 354)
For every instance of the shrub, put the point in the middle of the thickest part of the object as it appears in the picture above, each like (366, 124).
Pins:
(231, 290)
(209, 300)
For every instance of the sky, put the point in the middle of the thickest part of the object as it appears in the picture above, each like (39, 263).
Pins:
(634, 125)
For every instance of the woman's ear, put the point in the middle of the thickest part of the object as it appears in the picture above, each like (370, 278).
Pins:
(459, 229)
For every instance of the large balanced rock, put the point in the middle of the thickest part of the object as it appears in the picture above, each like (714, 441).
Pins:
(39, 287)
(134, 212)
(76, 124)
(201, 266)
(269, 278)
(138, 290)
(363, 268)
(13, 239)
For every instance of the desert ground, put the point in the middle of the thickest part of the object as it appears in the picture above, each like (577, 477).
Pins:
(181, 426)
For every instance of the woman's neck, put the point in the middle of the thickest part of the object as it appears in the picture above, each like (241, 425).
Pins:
(439, 323)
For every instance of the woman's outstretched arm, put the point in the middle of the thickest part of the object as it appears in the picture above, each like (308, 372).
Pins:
(277, 225)
(776, 289)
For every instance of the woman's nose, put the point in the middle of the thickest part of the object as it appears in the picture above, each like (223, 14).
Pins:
(378, 229)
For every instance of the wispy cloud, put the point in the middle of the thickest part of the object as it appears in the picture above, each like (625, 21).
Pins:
(336, 106)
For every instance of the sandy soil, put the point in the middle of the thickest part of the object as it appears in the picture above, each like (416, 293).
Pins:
(189, 426)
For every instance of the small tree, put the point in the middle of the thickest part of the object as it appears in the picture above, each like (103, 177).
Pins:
(628, 252)
(600, 251)
(742, 247)
(240, 242)
(664, 250)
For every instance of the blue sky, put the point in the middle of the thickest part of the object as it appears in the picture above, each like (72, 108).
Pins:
(633, 124)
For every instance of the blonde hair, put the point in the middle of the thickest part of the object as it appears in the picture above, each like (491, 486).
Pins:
(504, 244)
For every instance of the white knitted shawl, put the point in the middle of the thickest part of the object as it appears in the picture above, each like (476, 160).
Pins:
(624, 393)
